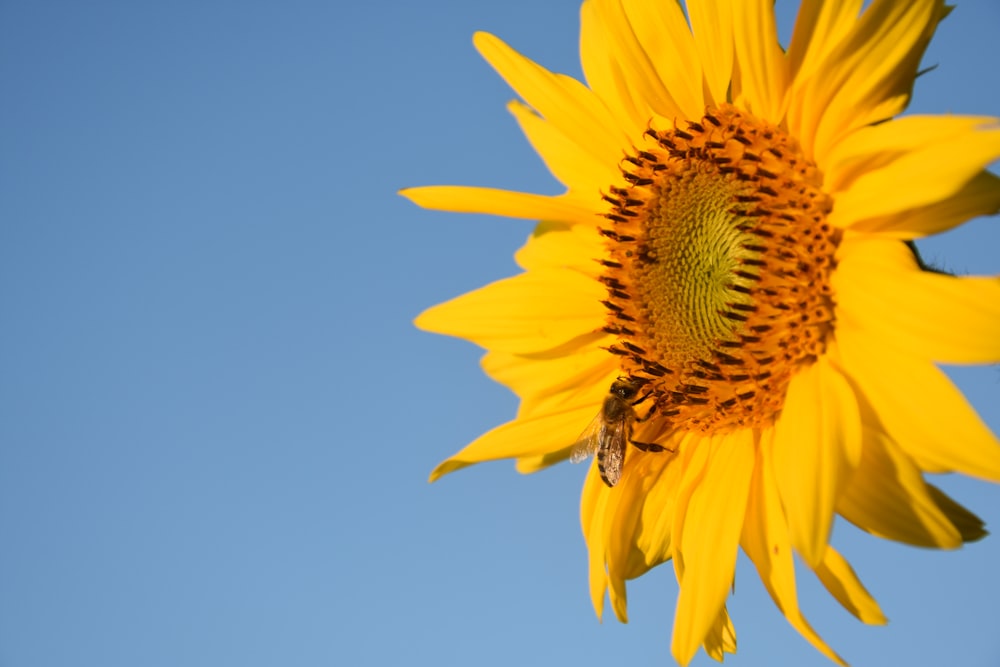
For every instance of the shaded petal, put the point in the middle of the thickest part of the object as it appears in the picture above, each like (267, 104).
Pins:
(980, 196)
(569, 162)
(839, 578)
(632, 66)
(882, 293)
(817, 443)
(716, 485)
(721, 638)
(866, 78)
(762, 63)
(766, 541)
(622, 555)
(621, 520)
(624, 527)
(712, 26)
(919, 408)
(530, 312)
(940, 157)
(593, 516)
(527, 465)
(660, 476)
(490, 201)
(600, 68)
(872, 148)
(819, 28)
(664, 34)
(887, 496)
(522, 437)
(970, 526)
(562, 100)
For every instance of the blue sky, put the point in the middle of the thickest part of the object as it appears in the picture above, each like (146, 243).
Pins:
(217, 418)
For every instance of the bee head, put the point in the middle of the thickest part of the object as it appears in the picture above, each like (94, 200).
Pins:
(627, 387)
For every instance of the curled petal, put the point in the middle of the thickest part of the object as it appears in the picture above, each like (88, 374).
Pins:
(888, 497)
(839, 578)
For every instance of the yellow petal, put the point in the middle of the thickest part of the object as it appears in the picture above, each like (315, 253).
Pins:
(660, 475)
(462, 199)
(621, 529)
(819, 28)
(867, 78)
(593, 505)
(645, 539)
(721, 638)
(527, 465)
(530, 312)
(555, 245)
(840, 580)
(560, 99)
(874, 147)
(597, 58)
(980, 196)
(635, 70)
(621, 524)
(557, 383)
(887, 496)
(712, 25)
(817, 443)
(970, 526)
(919, 408)
(532, 436)
(883, 293)
(663, 32)
(621, 517)
(709, 533)
(569, 162)
(763, 67)
(765, 540)
(936, 169)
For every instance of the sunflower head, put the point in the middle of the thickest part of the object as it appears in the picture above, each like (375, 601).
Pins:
(726, 293)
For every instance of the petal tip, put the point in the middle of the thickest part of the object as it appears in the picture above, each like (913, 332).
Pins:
(482, 40)
(446, 467)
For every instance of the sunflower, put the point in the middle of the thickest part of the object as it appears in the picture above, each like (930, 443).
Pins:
(729, 284)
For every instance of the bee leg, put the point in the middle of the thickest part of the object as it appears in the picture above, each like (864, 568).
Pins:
(648, 446)
(642, 398)
(639, 420)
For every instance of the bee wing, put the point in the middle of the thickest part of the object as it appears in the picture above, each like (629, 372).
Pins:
(610, 464)
(588, 442)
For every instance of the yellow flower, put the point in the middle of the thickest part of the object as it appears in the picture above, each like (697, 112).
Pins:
(727, 285)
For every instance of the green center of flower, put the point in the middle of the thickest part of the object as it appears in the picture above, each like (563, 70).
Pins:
(695, 251)
(719, 267)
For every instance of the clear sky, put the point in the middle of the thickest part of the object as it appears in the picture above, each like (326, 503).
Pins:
(216, 418)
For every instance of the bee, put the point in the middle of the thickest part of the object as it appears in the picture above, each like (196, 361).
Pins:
(611, 430)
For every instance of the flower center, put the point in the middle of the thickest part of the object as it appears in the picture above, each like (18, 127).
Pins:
(718, 271)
